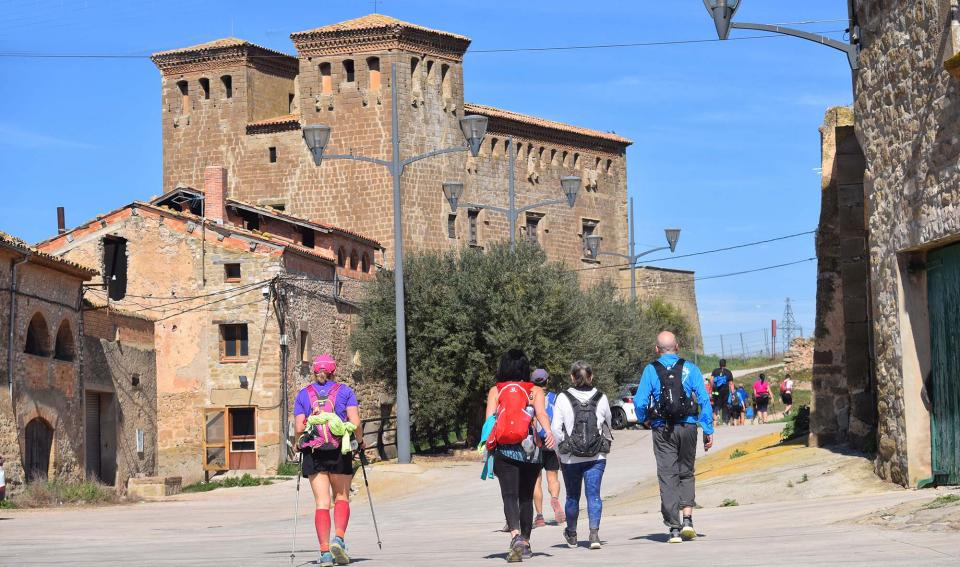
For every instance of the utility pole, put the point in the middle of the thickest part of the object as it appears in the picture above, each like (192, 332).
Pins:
(788, 325)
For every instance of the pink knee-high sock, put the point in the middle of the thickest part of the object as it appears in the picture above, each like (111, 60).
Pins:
(321, 520)
(341, 516)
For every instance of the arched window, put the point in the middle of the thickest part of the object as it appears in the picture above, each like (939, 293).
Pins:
(576, 161)
(354, 260)
(227, 81)
(365, 263)
(553, 157)
(609, 165)
(493, 147)
(373, 67)
(563, 159)
(445, 80)
(38, 337)
(348, 70)
(414, 63)
(326, 81)
(596, 165)
(205, 88)
(341, 257)
(184, 89)
(64, 348)
(429, 71)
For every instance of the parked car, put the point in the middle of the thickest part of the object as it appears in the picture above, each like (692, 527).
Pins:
(624, 414)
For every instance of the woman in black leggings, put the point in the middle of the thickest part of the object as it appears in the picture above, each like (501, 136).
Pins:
(517, 466)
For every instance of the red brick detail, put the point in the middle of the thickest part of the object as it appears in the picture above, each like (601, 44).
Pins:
(215, 192)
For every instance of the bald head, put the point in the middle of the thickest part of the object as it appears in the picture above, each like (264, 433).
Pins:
(666, 342)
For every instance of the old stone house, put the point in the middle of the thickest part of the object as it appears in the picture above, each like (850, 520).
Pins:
(217, 277)
(887, 362)
(41, 426)
(231, 102)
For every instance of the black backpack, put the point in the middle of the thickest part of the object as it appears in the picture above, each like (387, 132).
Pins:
(586, 439)
(674, 405)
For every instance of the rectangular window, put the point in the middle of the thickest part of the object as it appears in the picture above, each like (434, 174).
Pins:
(304, 346)
(231, 272)
(309, 237)
(589, 227)
(373, 66)
(326, 81)
(115, 267)
(233, 342)
(273, 154)
(473, 215)
(227, 81)
(205, 88)
(533, 227)
(452, 225)
(184, 89)
(290, 99)
(348, 70)
(243, 438)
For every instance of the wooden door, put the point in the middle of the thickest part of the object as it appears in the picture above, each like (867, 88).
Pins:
(243, 438)
(943, 281)
(39, 441)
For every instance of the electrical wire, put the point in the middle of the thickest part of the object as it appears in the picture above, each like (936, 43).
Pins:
(718, 276)
(201, 306)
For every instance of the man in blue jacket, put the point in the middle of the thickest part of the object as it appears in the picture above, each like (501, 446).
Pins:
(675, 441)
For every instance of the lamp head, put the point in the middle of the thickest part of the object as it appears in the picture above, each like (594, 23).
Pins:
(722, 12)
(316, 137)
(452, 190)
(593, 244)
(673, 235)
(571, 186)
(474, 128)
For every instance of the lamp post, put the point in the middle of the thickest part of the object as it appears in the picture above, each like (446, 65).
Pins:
(593, 245)
(570, 185)
(722, 12)
(316, 137)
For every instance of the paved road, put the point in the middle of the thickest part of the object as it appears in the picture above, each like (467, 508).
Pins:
(453, 521)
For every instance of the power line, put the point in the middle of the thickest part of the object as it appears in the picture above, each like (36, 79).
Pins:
(728, 275)
(702, 252)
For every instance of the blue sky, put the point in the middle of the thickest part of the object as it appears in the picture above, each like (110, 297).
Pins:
(726, 140)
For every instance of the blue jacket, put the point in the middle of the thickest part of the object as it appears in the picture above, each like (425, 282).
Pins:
(692, 385)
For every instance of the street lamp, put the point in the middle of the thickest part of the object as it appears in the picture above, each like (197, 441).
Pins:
(593, 241)
(722, 12)
(570, 185)
(316, 137)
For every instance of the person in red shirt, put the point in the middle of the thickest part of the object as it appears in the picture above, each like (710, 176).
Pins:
(761, 396)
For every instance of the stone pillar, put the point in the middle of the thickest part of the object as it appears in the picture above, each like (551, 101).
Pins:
(214, 193)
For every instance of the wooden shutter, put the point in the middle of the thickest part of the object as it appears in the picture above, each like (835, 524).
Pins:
(943, 288)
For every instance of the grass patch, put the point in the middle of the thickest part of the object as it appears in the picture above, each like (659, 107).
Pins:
(941, 501)
(797, 424)
(728, 502)
(230, 482)
(737, 453)
(7, 505)
(56, 492)
(803, 479)
(289, 468)
(789, 484)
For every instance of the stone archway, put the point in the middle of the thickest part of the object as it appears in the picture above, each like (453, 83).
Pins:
(37, 448)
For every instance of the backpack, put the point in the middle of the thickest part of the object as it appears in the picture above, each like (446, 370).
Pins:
(320, 437)
(586, 439)
(513, 420)
(737, 401)
(674, 405)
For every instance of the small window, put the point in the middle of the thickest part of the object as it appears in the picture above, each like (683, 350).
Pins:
(609, 165)
(243, 431)
(429, 70)
(115, 267)
(308, 237)
(233, 342)
(184, 89)
(64, 349)
(38, 337)
(472, 216)
(533, 227)
(452, 225)
(553, 157)
(354, 260)
(278, 206)
(341, 258)
(290, 98)
(589, 228)
(304, 346)
(231, 272)
(576, 161)
(414, 63)
(348, 70)
(373, 68)
(205, 88)
(227, 81)
(445, 80)
(326, 81)
(493, 146)
(251, 221)
(563, 159)
(273, 154)
(365, 263)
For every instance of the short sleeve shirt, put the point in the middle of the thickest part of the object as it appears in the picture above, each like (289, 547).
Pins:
(346, 398)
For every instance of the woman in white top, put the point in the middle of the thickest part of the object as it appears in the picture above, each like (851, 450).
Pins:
(578, 437)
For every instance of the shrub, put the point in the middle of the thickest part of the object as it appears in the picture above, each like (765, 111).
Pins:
(941, 501)
(58, 492)
(737, 453)
(728, 502)
(229, 482)
(288, 468)
(797, 424)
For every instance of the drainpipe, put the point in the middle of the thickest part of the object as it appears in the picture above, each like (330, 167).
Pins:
(13, 318)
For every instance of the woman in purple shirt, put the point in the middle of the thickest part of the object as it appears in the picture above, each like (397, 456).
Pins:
(328, 468)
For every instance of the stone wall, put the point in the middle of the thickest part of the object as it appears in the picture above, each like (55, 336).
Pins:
(799, 356)
(907, 109)
(676, 287)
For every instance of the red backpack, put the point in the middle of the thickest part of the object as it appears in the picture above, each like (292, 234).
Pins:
(513, 419)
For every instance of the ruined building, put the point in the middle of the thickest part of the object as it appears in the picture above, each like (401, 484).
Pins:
(887, 361)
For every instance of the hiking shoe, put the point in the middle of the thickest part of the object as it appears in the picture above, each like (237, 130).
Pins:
(595, 539)
(539, 522)
(515, 555)
(339, 551)
(326, 559)
(558, 514)
(527, 550)
(686, 531)
(571, 538)
(675, 536)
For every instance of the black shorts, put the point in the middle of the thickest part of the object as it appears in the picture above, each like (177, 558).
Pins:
(328, 461)
(551, 461)
(762, 403)
(786, 398)
(735, 411)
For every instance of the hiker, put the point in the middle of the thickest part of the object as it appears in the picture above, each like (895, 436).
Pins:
(3, 481)
(721, 388)
(516, 445)
(786, 394)
(744, 398)
(327, 417)
(551, 462)
(736, 405)
(708, 386)
(761, 396)
(672, 400)
(581, 425)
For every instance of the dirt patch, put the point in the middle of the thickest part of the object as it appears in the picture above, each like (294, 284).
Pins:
(938, 514)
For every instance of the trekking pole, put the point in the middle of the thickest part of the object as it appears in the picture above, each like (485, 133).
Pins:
(296, 513)
(363, 467)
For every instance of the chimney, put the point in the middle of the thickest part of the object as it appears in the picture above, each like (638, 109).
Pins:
(61, 221)
(215, 193)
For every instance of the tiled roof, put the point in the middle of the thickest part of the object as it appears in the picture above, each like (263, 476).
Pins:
(374, 22)
(349, 233)
(217, 44)
(10, 241)
(300, 220)
(500, 113)
(285, 119)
